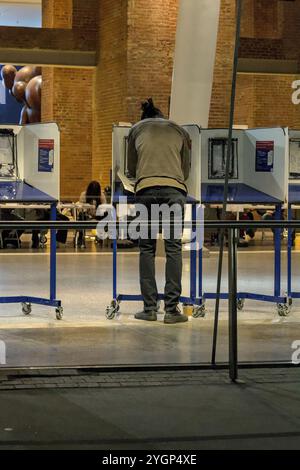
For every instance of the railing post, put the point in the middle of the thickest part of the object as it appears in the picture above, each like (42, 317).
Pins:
(232, 304)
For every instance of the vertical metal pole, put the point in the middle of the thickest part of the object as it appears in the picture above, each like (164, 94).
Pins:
(200, 274)
(53, 256)
(277, 256)
(289, 255)
(226, 182)
(193, 259)
(232, 305)
(115, 254)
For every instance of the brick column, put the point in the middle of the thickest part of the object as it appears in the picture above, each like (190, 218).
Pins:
(151, 48)
(221, 93)
(269, 31)
(110, 85)
(136, 49)
(67, 98)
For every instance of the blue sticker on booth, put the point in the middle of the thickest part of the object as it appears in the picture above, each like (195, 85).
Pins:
(264, 156)
(46, 155)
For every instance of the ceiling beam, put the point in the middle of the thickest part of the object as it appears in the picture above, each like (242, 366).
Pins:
(268, 66)
(53, 58)
(43, 46)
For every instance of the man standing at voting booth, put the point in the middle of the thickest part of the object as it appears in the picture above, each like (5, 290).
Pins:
(159, 158)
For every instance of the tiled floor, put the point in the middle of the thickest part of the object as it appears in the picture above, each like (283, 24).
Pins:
(85, 337)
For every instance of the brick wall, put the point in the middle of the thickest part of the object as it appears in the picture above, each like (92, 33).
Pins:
(269, 31)
(109, 101)
(135, 44)
(151, 46)
(267, 19)
(265, 101)
(245, 101)
(67, 97)
(135, 61)
(57, 13)
(221, 93)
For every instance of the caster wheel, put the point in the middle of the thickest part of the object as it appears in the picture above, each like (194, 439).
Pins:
(112, 310)
(59, 313)
(26, 308)
(240, 304)
(283, 310)
(199, 311)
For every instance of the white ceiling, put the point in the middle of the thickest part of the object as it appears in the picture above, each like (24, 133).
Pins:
(21, 13)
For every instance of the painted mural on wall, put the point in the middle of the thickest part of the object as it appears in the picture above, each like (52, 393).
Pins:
(24, 85)
(10, 109)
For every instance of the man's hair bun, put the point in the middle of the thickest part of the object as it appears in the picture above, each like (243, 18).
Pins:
(149, 110)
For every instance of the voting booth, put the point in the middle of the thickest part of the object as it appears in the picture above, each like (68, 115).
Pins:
(258, 166)
(123, 187)
(30, 179)
(258, 178)
(258, 175)
(33, 154)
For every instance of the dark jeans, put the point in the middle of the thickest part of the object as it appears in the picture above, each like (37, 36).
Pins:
(161, 195)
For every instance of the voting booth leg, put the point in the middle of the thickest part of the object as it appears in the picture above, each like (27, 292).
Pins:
(193, 259)
(197, 302)
(200, 274)
(27, 301)
(290, 294)
(232, 305)
(115, 248)
(53, 257)
(200, 306)
(289, 256)
(283, 309)
(277, 279)
(113, 309)
(53, 268)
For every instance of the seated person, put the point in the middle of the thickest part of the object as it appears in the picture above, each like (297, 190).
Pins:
(250, 232)
(61, 235)
(10, 238)
(93, 196)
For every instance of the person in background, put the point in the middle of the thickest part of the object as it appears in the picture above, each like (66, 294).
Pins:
(93, 196)
(61, 235)
(159, 157)
(10, 238)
